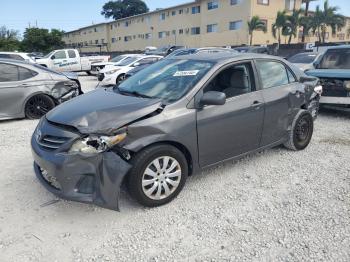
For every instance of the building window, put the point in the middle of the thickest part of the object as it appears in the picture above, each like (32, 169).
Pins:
(265, 22)
(162, 16)
(195, 30)
(235, 2)
(181, 12)
(173, 13)
(196, 9)
(161, 34)
(127, 38)
(235, 25)
(213, 5)
(126, 24)
(148, 36)
(102, 41)
(181, 31)
(290, 4)
(212, 28)
(263, 2)
(114, 40)
(96, 42)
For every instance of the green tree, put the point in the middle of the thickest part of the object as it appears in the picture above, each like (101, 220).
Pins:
(255, 24)
(292, 24)
(9, 39)
(279, 24)
(42, 40)
(306, 14)
(123, 8)
(328, 17)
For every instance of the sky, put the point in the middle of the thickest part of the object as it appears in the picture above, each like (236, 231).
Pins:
(72, 14)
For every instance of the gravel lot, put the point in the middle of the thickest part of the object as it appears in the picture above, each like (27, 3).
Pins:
(276, 205)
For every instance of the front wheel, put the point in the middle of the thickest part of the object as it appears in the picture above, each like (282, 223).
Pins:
(38, 105)
(301, 132)
(158, 175)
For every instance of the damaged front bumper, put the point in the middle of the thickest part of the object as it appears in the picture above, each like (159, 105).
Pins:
(93, 178)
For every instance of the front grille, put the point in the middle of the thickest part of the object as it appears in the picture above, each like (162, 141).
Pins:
(333, 88)
(51, 180)
(52, 142)
(101, 77)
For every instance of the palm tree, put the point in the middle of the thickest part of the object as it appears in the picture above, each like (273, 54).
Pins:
(292, 24)
(306, 14)
(278, 25)
(255, 24)
(327, 17)
(307, 22)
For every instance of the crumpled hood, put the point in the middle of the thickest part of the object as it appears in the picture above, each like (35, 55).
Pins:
(102, 111)
(330, 73)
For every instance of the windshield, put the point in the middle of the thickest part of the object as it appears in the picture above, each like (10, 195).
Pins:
(302, 58)
(49, 54)
(181, 52)
(336, 59)
(168, 79)
(117, 58)
(128, 61)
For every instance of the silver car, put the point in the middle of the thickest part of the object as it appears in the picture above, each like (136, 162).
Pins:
(30, 90)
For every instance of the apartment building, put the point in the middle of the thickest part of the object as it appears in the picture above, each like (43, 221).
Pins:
(195, 24)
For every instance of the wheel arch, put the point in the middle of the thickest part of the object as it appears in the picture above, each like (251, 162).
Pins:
(180, 147)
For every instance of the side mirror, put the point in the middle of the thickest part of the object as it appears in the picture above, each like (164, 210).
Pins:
(315, 65)
(53, 57)
(213, 98)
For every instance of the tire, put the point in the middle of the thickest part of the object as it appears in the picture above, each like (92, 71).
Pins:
(38, 105)
(144, 182)
(300, 135)
(120, 79)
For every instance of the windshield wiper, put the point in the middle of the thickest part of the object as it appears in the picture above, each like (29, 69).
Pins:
(134, 93)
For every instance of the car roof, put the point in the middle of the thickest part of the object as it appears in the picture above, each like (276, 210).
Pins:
(13, 61)
(338, 47)
(13, 53)
(224, 57)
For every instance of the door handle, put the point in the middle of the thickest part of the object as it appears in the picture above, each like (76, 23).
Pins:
(256, 104)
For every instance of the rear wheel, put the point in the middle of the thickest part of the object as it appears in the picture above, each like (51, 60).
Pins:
(301, 133)
(38, 105)
(158, 175)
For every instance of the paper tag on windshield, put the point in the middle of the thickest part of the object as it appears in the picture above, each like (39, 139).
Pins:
(186, 73)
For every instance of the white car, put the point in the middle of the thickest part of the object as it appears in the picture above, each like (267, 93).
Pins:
(304, 61)
(112, 75)
(69, 60)
(17, 56)
(96, 67)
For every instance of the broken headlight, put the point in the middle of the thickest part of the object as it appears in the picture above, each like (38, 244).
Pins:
(96, 144)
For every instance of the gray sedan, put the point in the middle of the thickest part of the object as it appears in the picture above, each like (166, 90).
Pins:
(170, 120)
(30, 90)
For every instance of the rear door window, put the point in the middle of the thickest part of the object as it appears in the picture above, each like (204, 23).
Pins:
(71, 54)
(8, 73)
(272, 73)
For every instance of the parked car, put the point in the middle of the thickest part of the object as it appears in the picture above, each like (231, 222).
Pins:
(189, 51)
(69, 60)
(333, 70)
(305, 61)
(113, 75)
(29, 90)
(164, 50)
(252, 49)
(172, 119)
(138, 69)
(96, 67)
(17, 56)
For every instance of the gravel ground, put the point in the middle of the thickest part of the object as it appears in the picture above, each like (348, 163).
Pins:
(276, 205)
